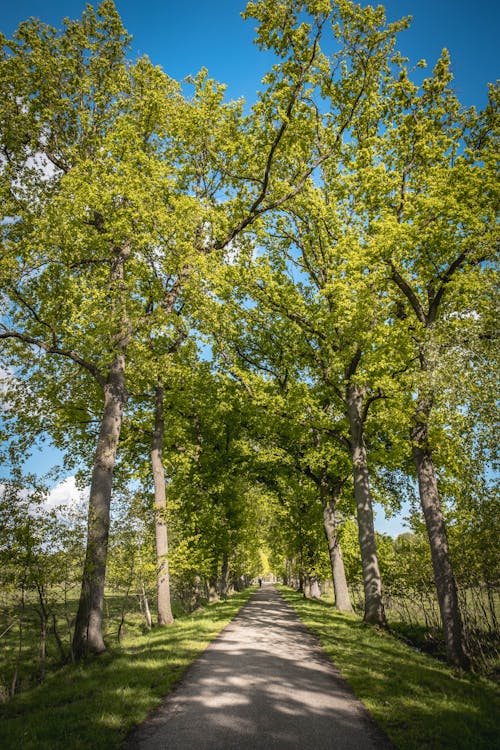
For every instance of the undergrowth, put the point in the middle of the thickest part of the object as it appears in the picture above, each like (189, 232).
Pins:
(416, 699)
(94, 704)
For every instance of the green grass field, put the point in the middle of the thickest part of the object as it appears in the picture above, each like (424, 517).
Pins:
(92, 706)
(416, 699)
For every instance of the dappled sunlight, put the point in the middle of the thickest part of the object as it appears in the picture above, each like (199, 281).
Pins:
(409, 693)
(91, 705)
(264, 683)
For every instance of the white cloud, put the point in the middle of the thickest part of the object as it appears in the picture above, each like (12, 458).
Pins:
(66, 494)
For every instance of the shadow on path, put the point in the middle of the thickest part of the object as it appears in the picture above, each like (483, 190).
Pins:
(264, 683)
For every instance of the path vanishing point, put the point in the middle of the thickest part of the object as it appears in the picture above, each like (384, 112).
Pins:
(263, 684)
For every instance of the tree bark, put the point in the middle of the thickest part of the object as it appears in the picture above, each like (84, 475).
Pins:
(314, 587)
(88, 636)
(342, 598)
(145, 606)
(443, 573)
(165, 616)
(372, 584)
(224, 577)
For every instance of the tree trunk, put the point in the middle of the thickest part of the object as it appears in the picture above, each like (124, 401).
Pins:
(342, 598)
(491, 605)
(88, 626)
(224, 577)
(59, 642)
(443, 573)
(42, 648)
(13, 684)
(145, 607)
(165, 616)
(372, 584)
(307, 586)
(301, 586)
(314, 587)
(44, 619)
(124, 611)
(67, 617)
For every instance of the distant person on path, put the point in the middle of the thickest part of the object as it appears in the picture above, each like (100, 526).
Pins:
(260, 582)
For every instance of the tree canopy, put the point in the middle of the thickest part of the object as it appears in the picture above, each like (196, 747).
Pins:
(243, 324)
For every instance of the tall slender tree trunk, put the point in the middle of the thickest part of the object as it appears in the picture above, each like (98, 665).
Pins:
(44, 620)
(372, 584)
(13, 684)
(224, 576)
(342, 598)
(443, 573)
(145, 606)
(165, 616)
(88, 636)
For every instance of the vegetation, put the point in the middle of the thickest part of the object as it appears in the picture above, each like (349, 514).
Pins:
(243, 325)
(96, 703)
(418, 701)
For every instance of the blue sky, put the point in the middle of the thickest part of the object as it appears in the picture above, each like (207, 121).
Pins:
(182, 37)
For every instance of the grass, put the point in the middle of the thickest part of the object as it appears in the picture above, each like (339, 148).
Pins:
(414, 616)
(28, 661)
(418, 701)
(95, 704)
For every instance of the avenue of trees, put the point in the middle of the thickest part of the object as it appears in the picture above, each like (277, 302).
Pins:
(244, 325)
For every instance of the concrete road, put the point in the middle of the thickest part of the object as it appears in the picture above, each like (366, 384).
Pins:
(263, 684)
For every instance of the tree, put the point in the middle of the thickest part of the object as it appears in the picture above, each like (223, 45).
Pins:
(350, 213)
(40, 554)
(53, 140)
(313, 247)
(432, 223)
(90, 144)
(289, 422)
(213, 507)
(317, 306)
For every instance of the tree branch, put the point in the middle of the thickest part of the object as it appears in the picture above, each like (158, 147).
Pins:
(53, 349)
(256, 209)
(408, 293)
(369, 402)
(353, 364)
(446, 278)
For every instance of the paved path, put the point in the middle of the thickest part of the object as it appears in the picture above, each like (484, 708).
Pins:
(263, 684)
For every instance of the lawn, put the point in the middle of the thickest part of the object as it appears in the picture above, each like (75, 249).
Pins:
(416, 699)
(95, 704)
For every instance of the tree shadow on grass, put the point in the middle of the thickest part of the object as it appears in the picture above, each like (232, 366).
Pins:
(264, 684)
(91, 706)
(419, 701)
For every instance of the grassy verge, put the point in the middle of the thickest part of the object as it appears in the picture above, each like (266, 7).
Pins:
(418, 701)
(94, 705)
